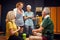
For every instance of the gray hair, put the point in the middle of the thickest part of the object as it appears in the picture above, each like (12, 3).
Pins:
(46, 10)
(29, 6)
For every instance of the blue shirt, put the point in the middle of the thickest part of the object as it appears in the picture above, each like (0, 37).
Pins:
(29, 21)
(19, 19)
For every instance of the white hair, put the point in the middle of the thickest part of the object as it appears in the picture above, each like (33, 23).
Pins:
(29, 6)
(46, 10)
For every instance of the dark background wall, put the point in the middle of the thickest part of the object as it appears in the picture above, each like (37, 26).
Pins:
(8, 5)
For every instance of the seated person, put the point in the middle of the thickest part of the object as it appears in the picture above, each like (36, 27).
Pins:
(46, 27)
(11, 28)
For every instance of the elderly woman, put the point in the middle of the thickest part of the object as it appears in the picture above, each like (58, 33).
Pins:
(11, 28)
(29, 15)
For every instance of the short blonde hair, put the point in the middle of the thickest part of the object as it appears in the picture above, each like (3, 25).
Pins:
(18, 4)
(10, 16)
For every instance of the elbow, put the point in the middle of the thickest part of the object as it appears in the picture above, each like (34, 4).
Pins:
(11, 33)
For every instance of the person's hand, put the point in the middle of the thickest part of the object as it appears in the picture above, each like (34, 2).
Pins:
(34, 18)
(39, 34)
(30, 17)
(35, 30)
(19, 28)
(34, 33)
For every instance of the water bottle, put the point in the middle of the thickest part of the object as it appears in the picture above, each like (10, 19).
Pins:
(24, 36)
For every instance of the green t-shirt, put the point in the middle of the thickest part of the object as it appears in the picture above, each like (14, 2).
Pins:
(48, 26)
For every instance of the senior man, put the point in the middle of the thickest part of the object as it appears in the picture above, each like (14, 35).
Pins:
(46, 26)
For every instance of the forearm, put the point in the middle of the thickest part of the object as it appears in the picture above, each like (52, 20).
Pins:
(41, 28)
(38, 30)
(13, 32)
(25, 17)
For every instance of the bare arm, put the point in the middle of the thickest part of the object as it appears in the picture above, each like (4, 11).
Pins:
(25, 17)
(38, 30)
(12, 31)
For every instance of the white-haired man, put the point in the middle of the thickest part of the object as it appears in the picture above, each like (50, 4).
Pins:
(29, 15)
(46, 27)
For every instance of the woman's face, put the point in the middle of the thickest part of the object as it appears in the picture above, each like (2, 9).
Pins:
(20, 6)
(28, 9)
(13, 18)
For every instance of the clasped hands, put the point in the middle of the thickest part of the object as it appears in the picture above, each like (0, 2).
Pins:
(20, 29)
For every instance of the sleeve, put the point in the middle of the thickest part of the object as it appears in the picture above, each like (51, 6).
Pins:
(15, 11)
(44, 23)
(32, 14)
(10, 25)
(25, 14)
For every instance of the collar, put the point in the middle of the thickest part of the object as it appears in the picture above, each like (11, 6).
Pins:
(46, 16)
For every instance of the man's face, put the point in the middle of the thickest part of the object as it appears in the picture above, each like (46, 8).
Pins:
(43, 13)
